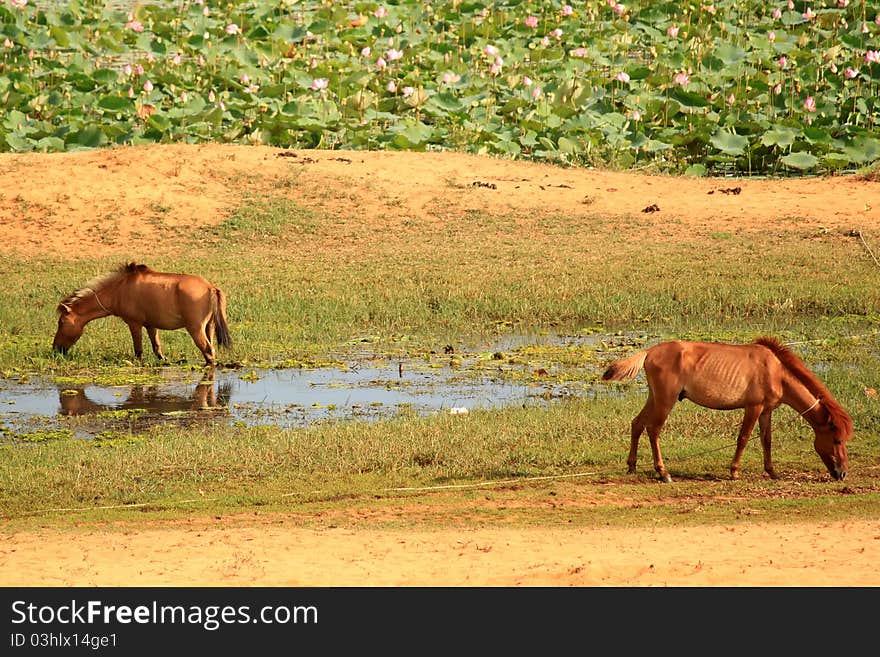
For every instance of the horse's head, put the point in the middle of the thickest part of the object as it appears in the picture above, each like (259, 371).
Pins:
(70, 328)
(830, 441)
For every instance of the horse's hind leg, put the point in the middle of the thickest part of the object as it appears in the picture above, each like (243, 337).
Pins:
(652, 417)
(764, 424)
(636, 429)
(201, 339)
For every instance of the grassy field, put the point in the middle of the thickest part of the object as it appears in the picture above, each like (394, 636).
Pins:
(307, 287)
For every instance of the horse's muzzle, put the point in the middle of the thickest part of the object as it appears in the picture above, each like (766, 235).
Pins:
(839, 475)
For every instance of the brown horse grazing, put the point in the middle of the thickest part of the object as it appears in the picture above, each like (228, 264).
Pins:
(149, 299)
(756, 377)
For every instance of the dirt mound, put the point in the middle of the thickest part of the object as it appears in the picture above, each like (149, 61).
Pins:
(104, 201)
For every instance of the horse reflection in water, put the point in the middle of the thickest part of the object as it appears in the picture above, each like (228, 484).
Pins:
(206, 397)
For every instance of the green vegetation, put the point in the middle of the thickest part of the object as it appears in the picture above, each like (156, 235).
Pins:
(685, 86)
(413, 291)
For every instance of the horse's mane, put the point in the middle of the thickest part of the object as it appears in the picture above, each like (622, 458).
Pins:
(796, 366)
(100, 282)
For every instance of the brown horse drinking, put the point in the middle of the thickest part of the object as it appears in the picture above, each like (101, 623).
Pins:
(149, 299)
(756, 377)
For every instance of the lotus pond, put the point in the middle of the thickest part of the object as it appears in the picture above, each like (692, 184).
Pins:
(732, 85)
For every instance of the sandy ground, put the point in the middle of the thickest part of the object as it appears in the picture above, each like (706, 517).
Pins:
(276, 552)
(103, 202)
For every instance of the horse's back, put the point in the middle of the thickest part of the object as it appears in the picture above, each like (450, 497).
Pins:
(165, 300)
(715, 375)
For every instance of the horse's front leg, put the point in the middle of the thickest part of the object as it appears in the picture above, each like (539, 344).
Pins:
(154, 340)
(749, 418)
(764, 425)
(136, 339)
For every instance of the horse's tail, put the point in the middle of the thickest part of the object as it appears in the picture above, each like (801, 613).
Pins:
(625, 368)
(218, 316)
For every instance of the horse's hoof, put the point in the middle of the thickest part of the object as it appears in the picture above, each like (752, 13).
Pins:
(665, 478)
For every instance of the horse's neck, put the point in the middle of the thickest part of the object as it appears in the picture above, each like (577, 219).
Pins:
(92, 306)
(796, 395)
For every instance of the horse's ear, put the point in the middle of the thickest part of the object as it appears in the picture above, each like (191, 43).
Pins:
(63, 309)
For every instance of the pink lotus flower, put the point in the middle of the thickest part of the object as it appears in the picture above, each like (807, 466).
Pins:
(731, 99)
(810, 104)
(672, 31)
(771, 36)
(495, 70)
(619, 9)
(782, 61)
(872, 56)
(567, 10)
(175, 61)
(809, 14)
(635, 115)
(18, 4)
(791, 4)
(380, 12)
(392, 54)
(320, 84)
(211, 96)
(391, 86)
(842, 3)
(366, 51)
(134, 26)
(450, 78)
(407, 92)
(531, 21)
(148, 86)
(681, 78)
(381, 63)
(139, 69)
(579, 52)
(244, 79)
(131, 92)
(777, 13)
(623, 76)
(128, 70)
(556, 33)
(232, 28)
(778, 88)
(490, 50)
(527, 81)
(536, 93)
(850, 72)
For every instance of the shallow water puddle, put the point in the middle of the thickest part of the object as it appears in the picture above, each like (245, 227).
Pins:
(512, 371)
